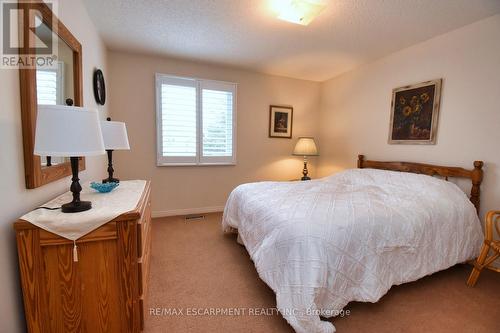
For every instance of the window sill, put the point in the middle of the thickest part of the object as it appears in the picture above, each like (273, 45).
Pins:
(195, 164)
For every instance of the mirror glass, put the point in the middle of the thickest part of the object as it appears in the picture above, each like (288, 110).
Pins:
(54, 84)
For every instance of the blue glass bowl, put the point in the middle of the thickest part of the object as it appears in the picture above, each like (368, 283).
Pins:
(104, 187)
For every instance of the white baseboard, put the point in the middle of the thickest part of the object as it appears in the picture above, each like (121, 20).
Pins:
(187, 211)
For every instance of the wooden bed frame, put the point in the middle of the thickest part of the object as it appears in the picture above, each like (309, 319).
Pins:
(475, 175)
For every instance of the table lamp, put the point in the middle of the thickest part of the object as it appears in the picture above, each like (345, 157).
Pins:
(69, 131)
(115, 137)
(305, 146)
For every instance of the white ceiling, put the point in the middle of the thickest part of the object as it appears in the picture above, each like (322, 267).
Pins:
(245, 33)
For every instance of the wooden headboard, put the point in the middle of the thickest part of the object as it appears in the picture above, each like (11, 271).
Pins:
(475, 175)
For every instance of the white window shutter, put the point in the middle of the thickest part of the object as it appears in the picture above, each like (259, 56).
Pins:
(217, 109)
(50, 85)
(177, 120)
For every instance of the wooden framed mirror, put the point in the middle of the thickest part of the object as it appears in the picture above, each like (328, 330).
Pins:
(47, 84)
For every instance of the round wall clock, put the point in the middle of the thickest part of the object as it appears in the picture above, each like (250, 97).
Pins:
(99, 87)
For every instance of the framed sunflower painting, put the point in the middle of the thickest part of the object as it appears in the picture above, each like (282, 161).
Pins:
(414, 113)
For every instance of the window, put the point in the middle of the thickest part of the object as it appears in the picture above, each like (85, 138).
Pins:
(49, 90)
(49, 85)
(196, 121)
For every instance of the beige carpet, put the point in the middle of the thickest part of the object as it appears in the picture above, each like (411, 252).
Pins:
(196, 268)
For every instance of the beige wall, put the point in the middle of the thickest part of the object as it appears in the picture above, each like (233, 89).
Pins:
(355, 108)
(180, 189)
(15, 199)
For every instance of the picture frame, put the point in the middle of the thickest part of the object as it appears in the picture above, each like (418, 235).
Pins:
(280, 121)
(415, 113)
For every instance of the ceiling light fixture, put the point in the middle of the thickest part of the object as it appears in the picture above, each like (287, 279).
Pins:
(298, 11)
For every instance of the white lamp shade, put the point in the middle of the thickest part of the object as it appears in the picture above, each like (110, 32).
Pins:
(305, 146)
(67, 131)
(115, 136)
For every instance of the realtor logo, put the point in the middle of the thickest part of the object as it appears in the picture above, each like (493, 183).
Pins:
(26, 40)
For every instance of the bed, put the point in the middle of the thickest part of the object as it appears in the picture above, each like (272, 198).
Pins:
(348, 237)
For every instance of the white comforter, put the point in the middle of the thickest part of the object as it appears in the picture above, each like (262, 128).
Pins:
(349, 237)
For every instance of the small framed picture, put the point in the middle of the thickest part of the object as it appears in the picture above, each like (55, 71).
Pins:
(415, 113)
(280, 121)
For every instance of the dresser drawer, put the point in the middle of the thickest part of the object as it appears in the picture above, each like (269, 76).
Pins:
(143, 228)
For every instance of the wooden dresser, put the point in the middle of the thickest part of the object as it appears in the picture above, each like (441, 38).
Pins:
(104, 291)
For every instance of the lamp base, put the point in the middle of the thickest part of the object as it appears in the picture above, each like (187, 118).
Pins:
(304, 171)
(111, 180)
(76, 206)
